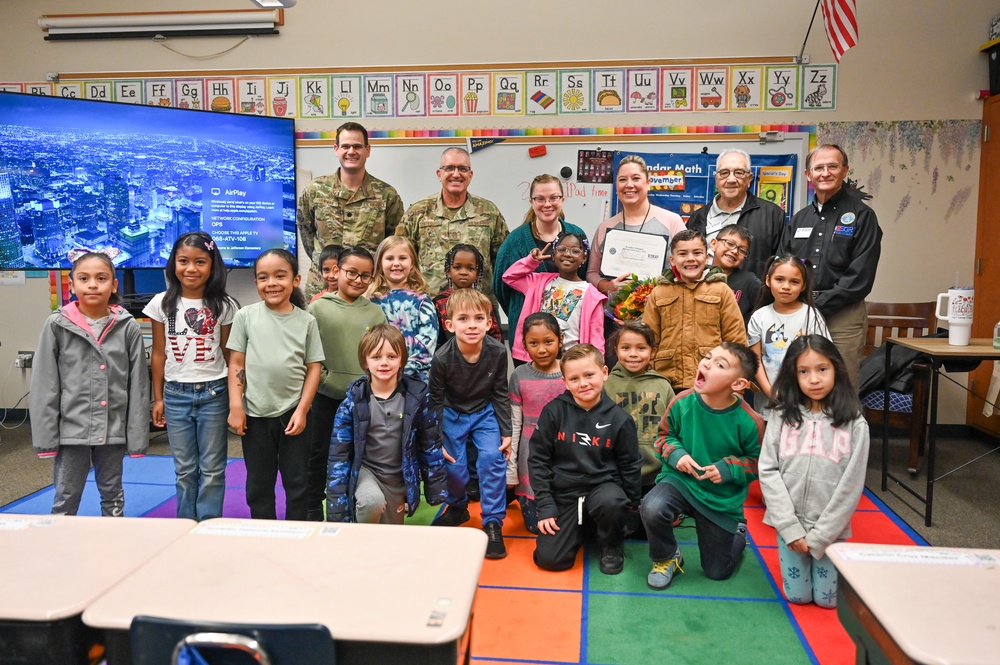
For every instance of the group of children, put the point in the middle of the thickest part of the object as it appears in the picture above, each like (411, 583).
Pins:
(376, 389)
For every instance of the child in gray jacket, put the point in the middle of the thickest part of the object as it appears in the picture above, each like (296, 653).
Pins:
(812, 466)
(90, 389)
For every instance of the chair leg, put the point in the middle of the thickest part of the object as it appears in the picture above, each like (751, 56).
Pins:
(918, 418)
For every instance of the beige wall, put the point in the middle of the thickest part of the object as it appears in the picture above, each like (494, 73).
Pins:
(917, 61)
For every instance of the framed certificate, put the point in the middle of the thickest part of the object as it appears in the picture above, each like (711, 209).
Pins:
(642, 254)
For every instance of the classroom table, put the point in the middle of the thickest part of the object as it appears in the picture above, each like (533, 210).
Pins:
(909, 604)
(52, 567)
(387, 593)
(938, 350)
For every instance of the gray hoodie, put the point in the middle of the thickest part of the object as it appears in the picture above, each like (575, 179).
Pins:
(87, 390)
(812, 478)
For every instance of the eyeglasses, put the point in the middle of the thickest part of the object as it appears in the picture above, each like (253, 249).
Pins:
(730, 245)
(352, 275)
(347, 147)
(821, 168)
(541, 200)
(571, 251)
(738, 173)
(451, 168)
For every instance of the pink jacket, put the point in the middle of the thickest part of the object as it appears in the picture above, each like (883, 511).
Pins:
(521, 276)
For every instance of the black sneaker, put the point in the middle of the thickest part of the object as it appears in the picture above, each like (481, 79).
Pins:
(452, 516)
(495, 549)
(612, 559)
(472, 490)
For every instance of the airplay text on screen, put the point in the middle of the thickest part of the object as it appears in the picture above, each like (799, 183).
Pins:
(243, 217)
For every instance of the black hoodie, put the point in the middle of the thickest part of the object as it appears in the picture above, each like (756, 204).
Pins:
(573, 451)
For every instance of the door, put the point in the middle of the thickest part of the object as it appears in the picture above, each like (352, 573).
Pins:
(987, 269)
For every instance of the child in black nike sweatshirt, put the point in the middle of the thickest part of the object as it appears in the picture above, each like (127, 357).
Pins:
(584, 462)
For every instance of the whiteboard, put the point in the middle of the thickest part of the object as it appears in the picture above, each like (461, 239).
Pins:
(503, 172)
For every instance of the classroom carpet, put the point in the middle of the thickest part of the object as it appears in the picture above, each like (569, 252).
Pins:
(526, 616)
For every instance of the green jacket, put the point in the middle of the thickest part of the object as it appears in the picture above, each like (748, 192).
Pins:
(645, 398)
(341, 325)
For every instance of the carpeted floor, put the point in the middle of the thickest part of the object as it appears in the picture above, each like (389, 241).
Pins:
(526, 615)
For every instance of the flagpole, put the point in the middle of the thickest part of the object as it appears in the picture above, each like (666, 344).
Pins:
(808, 30)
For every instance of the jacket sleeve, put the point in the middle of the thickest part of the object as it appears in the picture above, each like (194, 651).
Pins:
(437, 379)
(629, 461)
(540, 463)
(339, 458)
(596, 321)
(836, 517)
(518, 275)
(516, 422)
(425, 338)
(741, 469)
(46, 394)
(393, 213)
(780, 508)
(731, 322)
(505, 257)
(668, 447)
(857, 281)
(429, 453)
(137, 419)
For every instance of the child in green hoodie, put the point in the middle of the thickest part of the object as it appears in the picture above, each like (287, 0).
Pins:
(343, 318)
(639, 390)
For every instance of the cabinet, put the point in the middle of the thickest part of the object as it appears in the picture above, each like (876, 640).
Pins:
(987, 267)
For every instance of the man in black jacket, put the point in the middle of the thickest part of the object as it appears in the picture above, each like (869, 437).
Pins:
(734, 204)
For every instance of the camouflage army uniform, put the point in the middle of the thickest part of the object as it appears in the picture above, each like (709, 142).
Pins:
(330, 214)
(434, 229)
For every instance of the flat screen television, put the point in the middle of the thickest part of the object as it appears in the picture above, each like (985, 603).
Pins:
(128, 179)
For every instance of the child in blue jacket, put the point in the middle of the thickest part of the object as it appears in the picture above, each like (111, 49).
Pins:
(385, 439)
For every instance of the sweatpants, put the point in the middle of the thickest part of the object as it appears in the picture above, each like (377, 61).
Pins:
(72, 464)
(266, 450)
(606, 505)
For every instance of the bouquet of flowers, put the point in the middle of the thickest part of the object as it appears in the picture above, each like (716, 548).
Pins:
(629, 302)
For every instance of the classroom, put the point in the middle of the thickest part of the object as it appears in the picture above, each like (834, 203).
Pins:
(907, 109)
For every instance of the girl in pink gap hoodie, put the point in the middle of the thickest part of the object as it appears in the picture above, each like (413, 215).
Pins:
(89, 398)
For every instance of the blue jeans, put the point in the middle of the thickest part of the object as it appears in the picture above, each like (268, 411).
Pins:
(483, 429)
(196, 416)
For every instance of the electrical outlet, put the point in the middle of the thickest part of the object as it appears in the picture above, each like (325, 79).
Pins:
(24, 359)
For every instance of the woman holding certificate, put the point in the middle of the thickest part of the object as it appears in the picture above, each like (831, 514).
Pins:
(616, 252)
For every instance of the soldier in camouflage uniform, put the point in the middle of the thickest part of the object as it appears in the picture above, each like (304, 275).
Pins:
(348, 207)
(439, 222)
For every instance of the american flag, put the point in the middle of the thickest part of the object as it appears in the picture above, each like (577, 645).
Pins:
(841, 20)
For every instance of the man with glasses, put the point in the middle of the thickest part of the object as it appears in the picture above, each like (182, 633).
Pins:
(346, 208)
(439, 222)
(839, 236)
(734, 204)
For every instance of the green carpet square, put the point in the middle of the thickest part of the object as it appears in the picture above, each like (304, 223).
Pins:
(638, 630)
(749, 581)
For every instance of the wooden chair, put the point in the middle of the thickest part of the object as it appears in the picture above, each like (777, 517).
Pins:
(903, 320)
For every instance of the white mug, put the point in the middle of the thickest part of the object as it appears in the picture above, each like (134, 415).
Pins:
(958, 315)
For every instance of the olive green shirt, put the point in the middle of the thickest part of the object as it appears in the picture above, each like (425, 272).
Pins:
(434, 229)
(330, 214)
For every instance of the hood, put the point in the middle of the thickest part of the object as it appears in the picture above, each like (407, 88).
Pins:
(711, 274)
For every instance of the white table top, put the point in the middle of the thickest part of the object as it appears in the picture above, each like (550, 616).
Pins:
(52, 567)
(365, 582)
(939, 604)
